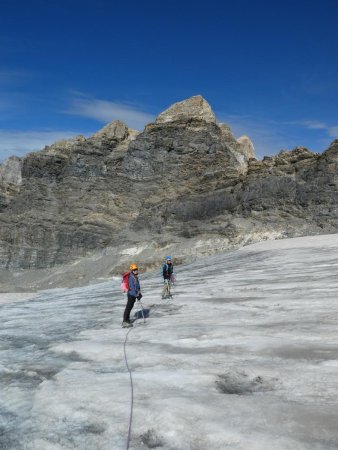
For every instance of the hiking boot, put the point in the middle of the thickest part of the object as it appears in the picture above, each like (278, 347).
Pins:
(127, 325)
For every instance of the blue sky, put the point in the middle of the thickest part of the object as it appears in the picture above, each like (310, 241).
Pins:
(268, 68)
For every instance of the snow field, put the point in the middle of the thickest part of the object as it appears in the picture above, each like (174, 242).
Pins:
(244, 357)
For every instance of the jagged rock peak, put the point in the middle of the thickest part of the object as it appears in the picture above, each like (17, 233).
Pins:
(64, 144)
(113, 130)
(333, 149)
(246, 147)
(297, 153)
(195, 107)
(226, 132)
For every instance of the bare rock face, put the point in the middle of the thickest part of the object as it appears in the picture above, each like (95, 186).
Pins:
(67, 204)
(115, 130)
(192, 108)
(184, 179)
(332, 151)
(246, 147)
(10, 180)
(10, 171)
(185, 145)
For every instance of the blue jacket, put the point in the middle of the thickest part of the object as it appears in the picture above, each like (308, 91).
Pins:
(134, 286)
(167, 270)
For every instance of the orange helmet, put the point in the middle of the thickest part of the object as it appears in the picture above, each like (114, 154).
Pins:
(133, 266)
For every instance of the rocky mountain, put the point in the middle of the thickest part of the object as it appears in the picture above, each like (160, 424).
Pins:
(183, 185)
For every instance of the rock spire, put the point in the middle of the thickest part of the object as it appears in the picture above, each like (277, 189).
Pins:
(195, 107)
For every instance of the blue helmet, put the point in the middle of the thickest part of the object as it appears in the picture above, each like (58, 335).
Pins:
(168, 258)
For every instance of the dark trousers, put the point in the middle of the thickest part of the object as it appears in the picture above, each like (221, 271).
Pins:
(129, 307)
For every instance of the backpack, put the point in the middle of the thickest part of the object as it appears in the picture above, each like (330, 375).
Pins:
(168, 269)
(169, 272)
(125, 282)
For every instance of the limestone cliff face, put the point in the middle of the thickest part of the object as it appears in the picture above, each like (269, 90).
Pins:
(67, 203)
(10, 171)
(184, 145)
(184, 177)
(10, 180)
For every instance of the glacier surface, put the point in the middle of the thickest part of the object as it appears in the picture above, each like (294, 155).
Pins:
(245, 356)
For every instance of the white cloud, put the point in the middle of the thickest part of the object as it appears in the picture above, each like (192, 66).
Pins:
(331, 130)
(314, 125)
(107, 111)
(20, 142)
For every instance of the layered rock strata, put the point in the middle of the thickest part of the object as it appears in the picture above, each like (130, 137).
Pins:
(184, 177)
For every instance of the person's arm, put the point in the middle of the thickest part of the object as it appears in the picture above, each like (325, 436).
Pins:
(132, 288)
(138, 290)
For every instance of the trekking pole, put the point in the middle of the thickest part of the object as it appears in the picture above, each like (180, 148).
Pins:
(144, 320)
(136, 313)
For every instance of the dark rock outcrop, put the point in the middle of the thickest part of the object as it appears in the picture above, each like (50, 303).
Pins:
(184, 177)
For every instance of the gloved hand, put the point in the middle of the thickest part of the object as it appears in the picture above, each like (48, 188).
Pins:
(139, 297)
